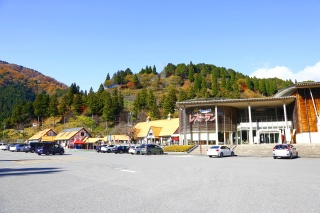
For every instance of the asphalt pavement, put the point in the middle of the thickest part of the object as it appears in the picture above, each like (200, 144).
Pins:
(86, 181)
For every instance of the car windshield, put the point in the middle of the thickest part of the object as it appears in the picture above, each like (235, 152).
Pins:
(214, 147)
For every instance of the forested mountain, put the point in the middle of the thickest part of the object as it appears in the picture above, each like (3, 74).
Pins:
(19, 84)
(124, 98)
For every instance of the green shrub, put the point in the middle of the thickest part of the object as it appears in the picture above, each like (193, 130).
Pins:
(177, 148)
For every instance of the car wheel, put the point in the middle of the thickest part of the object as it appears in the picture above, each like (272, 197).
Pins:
(210, 156)
(53, 153)
(47, 153)
(138, 153)
(221, 155)
(161, 152)
(149, 153)
(290, 156)
(232, 154)
(274, 157)
(32, 151)
(61, 152)
(108, 151)
(39, 154)
(297, 155)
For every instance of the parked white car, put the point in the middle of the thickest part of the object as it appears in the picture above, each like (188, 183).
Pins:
(219, 151)
(3, 146)
(107, 149)
(134, 150)
(284, 151)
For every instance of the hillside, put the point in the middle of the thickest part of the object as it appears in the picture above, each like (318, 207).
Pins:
(32, 79)
(27, 96)
(19, 84)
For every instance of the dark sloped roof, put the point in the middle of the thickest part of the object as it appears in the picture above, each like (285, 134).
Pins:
(291, 89)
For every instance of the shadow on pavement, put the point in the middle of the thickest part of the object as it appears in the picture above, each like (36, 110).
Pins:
(27, 171)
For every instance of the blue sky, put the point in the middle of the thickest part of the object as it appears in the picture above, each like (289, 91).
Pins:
(82, 41)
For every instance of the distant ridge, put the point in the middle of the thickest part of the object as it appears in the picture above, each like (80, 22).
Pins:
(36, 81)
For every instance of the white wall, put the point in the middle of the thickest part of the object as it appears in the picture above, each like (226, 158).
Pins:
(305, 137)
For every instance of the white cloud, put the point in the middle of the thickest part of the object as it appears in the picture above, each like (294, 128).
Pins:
(308, 73)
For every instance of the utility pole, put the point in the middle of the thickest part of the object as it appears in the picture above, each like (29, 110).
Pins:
(130, 125)
(4, 128)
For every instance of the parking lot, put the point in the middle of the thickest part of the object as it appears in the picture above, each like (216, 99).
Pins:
(85, 181)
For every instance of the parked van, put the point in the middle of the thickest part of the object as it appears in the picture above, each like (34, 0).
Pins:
(50, 148)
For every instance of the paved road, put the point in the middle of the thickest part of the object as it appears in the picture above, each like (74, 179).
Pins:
(91, 182)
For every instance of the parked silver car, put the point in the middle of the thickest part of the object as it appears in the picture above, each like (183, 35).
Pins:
(284, 151)
(150, 149)
(16, 148)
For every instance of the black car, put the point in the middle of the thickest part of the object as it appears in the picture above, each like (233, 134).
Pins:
(50, 148)
(120, 149)
(33, 146)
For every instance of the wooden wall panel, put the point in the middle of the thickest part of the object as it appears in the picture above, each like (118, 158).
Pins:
(306, 114)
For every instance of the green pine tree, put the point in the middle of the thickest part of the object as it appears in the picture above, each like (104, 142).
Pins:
(191, 72)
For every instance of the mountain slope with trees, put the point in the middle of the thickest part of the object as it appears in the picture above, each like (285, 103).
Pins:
(19, 86)
(123, 99)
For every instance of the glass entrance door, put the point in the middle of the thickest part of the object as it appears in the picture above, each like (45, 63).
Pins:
(272, 137)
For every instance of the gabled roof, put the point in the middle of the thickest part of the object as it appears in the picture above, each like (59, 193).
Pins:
(48, 138)
(93, 140)
(66, 134)
(159, 127)
(156, 131)
(40, 134)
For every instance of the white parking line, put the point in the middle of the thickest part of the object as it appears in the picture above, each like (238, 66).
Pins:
(125, 170)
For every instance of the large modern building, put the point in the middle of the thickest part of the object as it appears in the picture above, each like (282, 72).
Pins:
(291, 116)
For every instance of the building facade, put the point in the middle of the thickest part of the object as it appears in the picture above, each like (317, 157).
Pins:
(291, 116)
(162, 132)
(72, 138)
